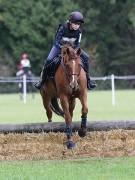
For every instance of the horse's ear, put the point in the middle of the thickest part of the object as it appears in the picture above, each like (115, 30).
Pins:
(68, 51)
(63, 52)
(78, 51)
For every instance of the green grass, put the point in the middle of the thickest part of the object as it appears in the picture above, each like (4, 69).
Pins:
(82, 169)
(12, 110)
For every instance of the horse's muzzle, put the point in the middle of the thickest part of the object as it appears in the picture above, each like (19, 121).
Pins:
(74, 85)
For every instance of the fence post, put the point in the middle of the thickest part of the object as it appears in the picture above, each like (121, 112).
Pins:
(113, 89)
(24, 88)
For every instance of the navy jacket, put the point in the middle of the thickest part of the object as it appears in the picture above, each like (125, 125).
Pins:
(64, 33)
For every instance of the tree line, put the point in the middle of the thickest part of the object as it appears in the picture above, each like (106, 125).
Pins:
(108, 32)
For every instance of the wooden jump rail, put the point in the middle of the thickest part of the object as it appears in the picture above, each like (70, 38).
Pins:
(60, 126)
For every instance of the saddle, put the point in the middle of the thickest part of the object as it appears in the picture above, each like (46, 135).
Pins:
(54, 64)
(52, 67)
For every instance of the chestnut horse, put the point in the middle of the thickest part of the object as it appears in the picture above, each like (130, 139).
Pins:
(70, 83)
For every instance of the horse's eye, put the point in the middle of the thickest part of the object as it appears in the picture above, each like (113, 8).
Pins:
(64, 53)
(67, 66)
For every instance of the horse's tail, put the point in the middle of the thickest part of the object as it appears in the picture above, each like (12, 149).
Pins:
(55, 107)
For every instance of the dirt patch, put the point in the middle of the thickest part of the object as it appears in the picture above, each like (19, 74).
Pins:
(114, 143)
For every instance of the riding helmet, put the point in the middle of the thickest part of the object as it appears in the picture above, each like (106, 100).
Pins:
(76, 17)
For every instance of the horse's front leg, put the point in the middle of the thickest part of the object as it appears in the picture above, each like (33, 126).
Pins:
(83, 130)
(68, 120)
(71, 106)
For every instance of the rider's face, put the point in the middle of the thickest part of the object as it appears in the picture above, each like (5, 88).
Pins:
(75, 26)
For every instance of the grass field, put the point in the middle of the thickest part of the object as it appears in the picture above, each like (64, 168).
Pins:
(12, 110)
(82, 169)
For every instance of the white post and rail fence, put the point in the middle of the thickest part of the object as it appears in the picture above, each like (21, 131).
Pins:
(24, 82)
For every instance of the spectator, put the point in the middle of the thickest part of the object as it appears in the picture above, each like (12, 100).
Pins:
(24, 65)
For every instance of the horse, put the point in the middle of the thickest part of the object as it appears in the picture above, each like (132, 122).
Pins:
(69, 83)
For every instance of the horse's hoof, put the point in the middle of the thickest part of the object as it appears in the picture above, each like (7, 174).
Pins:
(70, 144)
(82, 132)
(49, 120)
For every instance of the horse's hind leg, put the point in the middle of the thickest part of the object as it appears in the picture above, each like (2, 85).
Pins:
(48, 112)
(46, 103)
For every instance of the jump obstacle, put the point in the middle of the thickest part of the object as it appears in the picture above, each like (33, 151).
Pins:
(60, 126)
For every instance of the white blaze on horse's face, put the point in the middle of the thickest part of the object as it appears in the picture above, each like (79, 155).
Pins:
(73, 75)
(73, 83)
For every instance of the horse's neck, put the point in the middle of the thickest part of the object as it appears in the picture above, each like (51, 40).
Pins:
(60, 75)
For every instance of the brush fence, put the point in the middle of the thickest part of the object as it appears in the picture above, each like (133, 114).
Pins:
(60, 126)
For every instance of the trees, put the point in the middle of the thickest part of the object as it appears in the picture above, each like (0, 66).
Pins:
(109, 31)
(29, 26)
(117, 37)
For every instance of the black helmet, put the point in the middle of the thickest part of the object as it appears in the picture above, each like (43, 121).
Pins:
(76, 17)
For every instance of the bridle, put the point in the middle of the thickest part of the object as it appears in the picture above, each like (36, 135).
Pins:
(74, 74)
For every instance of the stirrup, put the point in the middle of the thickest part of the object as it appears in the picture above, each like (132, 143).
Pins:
(38, 85)
(91, 85)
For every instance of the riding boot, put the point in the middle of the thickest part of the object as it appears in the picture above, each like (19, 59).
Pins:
(90, 84)
(44, 73)
(85, 61)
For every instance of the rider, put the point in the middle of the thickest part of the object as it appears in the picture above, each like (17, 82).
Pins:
(69, 31)
(24, 65)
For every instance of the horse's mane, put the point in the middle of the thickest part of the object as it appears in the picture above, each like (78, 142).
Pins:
(72, 50)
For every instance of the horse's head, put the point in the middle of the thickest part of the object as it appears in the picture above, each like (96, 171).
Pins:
(72, 65)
